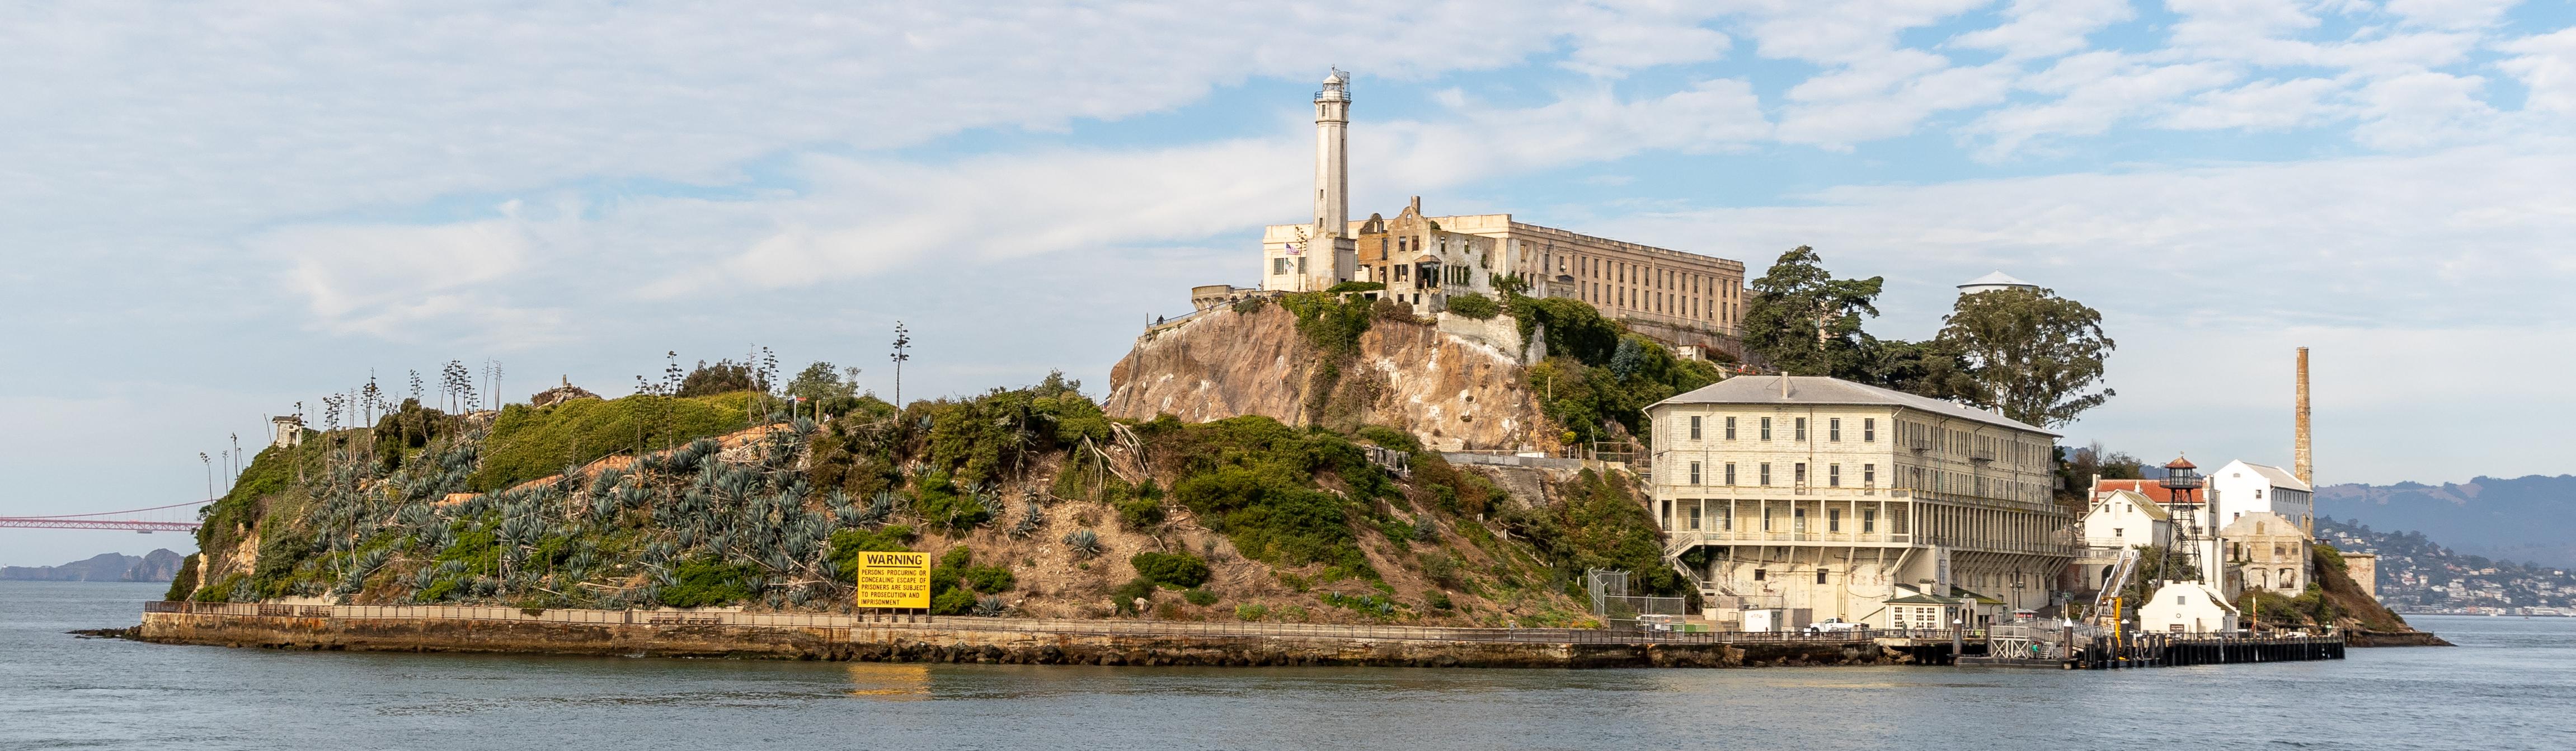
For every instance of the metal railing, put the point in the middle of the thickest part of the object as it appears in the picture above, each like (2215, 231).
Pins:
(1356, 632)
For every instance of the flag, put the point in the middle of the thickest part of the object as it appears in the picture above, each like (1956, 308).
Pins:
(1292, 249)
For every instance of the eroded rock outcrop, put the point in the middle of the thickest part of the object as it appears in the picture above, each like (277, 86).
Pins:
(1451, 392)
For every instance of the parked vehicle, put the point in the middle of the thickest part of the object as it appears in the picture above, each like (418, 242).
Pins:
(1834, 625)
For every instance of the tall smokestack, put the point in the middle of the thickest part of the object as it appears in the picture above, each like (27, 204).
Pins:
(2300, 456)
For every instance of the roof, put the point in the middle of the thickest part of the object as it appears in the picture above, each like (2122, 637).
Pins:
(2146, 505)
(2281, 478)
(1813, 390)
(1921, 600)
(2154, 490)
(1981, 599)
(1997, 279)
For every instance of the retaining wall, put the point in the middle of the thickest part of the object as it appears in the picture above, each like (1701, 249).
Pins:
(966, 641)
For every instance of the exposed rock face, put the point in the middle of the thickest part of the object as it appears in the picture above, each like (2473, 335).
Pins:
(1450, 392)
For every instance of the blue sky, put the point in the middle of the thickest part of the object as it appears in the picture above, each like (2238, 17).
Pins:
(211, 212)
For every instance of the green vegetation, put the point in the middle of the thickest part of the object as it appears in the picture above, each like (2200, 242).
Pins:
(2024, 352)
(1355, 287)
(2027, 353)
(956, 582)
(1330, 323)
(979, 439)
(847, 544)
(705, 581)
(1251, 479)
(1597, 374)
(1476, 306)
(528, 443)
(423, 507)
(1600, 525)
(1176, 570)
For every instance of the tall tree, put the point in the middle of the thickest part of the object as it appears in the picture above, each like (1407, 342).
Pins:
(820, 381)
(2029, 354)
(1804, 321)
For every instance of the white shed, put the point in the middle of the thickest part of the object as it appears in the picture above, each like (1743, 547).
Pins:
(2187, 608)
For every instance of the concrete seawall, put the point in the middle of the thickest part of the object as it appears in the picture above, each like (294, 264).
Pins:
(964, 641)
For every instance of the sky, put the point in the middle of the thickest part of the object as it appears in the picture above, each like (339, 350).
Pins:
(210, 212)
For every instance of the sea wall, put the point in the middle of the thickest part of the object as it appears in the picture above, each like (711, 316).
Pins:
(964, 640)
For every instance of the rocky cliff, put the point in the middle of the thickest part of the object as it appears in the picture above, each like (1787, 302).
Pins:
(1450, 391)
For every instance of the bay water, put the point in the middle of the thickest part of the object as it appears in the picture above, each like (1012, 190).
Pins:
(2511, 684)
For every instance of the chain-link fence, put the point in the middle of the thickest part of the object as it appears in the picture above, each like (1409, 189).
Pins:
(1618, 609)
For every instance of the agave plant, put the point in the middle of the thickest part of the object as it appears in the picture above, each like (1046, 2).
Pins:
(1084, 542)
(991, 606)
(1031, 518)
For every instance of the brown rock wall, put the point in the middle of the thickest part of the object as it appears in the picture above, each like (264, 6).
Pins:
(1450, 392)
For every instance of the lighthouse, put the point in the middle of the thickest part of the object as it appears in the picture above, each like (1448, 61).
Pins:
(1314, 257)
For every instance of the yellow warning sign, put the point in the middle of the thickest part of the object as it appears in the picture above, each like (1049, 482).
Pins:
(894, 580)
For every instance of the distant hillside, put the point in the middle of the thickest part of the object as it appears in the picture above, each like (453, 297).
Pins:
(2523, 519)
(156, 566)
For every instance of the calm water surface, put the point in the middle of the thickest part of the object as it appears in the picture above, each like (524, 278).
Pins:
(2511, 684)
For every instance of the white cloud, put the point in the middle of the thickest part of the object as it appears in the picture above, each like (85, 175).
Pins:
(2546, 64)
(374, 278)
(2423, 109)
(2043, 28)
(1885, 96)
(2451, 14)
(2261, 105)
(2095, 90)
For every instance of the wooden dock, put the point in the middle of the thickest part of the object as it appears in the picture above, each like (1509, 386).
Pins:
(2165, 650)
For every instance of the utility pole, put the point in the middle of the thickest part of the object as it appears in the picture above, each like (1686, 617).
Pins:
(209, 461)
(902, 341)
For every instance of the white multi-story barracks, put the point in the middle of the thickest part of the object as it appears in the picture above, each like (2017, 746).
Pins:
(1827, 498)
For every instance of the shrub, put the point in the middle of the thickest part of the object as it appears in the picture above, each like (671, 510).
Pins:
(1439, 601)
(940, 503)
(1124, 596)
(1250, 612)
(952, 602)
(1355, 287)
(1139, 513)
(1390, 438)
(847, 544)
(1176, 569)
(706, 582)
(1199, 597)
(1476, 306)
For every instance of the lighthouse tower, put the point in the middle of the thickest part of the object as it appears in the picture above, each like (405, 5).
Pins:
(1314, 257)
(1333, 157)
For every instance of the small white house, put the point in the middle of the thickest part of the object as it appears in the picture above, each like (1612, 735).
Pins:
(2242, 488)
(2187, 608)
(2118, 520)
(2126, 519)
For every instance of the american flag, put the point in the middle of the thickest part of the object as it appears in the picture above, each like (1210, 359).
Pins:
(1292, 249)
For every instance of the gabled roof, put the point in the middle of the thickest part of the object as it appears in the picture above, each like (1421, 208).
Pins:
(1922, 600)
(1816, 390)
(2146, 505)
(2153, 489)
(2280, 478)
